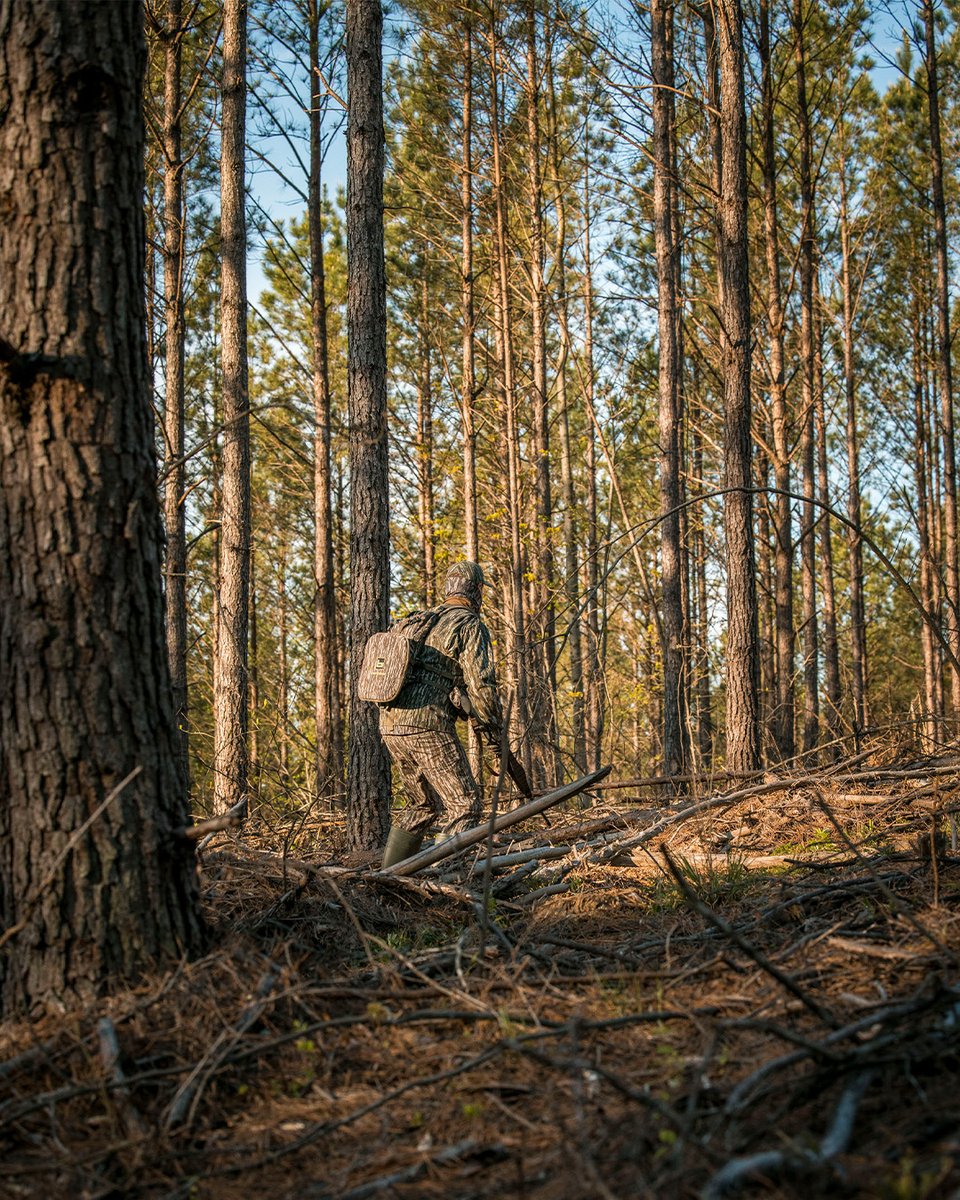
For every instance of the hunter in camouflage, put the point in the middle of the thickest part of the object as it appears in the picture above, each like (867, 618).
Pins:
(418, 727)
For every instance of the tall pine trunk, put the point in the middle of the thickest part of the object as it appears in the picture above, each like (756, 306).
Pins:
(808, 552)
(831, 647)
(368, 800)
(230, 700)
(175, 473)
(742, 726)
(858, 625)
(593, 642)
(571, 555)
(544, 712)
(675, 725)
(328, 710)
(783, 716)
(95, 884)
(471, 539)
(504, 345)
(944, 357)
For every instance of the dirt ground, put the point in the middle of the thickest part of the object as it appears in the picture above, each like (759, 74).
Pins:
(750, 993)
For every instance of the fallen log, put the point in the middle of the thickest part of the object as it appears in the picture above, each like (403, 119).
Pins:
(470, 837)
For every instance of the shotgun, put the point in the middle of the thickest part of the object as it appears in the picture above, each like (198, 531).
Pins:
(461, 702)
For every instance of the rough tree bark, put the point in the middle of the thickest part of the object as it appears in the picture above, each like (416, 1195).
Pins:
(327, 706)
(593, 642)
(783, 719)
(675, 724)
(743, 741)
(571, 581)
(858, 627)
(543, 618)
(175, 560)
(808, 550)
(93, 884)
(831, 646)
(944, 357)
(513, 579)
(368, 791)
(230, 701)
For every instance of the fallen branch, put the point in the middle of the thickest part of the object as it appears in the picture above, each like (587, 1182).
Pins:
(185, 1101)
(228, 820)
(718, 922)
(469, 1148)
(470, 837)
(795, 1161)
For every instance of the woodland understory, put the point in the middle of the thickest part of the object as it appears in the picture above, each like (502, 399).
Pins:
(725, 993)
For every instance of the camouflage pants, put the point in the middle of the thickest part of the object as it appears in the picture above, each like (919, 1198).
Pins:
(437, 779)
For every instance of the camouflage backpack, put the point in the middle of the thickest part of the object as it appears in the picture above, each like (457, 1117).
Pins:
(388, 660)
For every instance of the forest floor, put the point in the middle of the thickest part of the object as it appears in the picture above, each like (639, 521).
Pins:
(771, 1008)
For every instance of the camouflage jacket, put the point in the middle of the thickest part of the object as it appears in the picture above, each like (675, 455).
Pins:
(457, 653)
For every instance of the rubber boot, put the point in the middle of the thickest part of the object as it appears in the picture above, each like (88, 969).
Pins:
(400, 845)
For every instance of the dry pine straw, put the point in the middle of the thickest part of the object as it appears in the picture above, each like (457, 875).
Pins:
(346, 1037)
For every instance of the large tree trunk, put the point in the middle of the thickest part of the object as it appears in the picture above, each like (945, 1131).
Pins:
(175, 561)
(783, 715)
(742, 729)
(675, 726)
(504, 344)
(230, 699)
(327, 703)
(944, 358)
(593, 642)
(93, 883)
(543, 707)
(571, 581)
(368, 798)
(808, 552)
(468, 382)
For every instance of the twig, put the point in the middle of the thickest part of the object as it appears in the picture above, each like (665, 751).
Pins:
(110, 1058)
(411, 1174)
(894, 900)
(184, 1103)
(228, 820)
(718, 922)
(797, 1161)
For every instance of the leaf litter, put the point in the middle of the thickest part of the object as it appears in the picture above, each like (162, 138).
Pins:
(740, 991)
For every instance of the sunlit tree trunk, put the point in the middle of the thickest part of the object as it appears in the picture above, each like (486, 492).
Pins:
(571, 581)
(328, 710)
(543, 711)
(742, 727)
(858, 626)
(944, 356)
(230, 681)
(674, 710)
(175, 473)
(468, 381)
(808, 553)
(504, 344)
(593, 641)
(831, 649)
(368, 801)
(425, 496)
(928, 572)
(283, 673)
(95, 884)
(783, 715)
